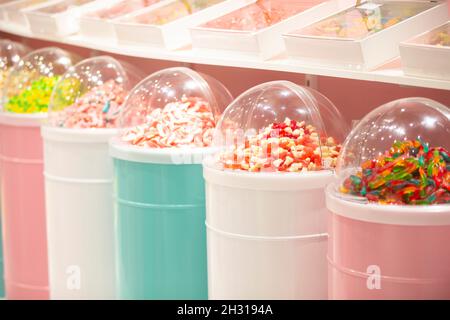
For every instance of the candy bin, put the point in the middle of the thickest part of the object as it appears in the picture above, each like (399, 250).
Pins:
(276, 148)
(389, 218)
(10, 53)
(83, 116)
(168, 122)
(25, 99)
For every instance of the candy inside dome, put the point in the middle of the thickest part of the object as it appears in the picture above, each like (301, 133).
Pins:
(10, 54)
(31, 81)
(279, 127)
(92, 93)
(173, 108)
(398, 154)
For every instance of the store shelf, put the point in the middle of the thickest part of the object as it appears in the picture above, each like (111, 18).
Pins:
(389, 73)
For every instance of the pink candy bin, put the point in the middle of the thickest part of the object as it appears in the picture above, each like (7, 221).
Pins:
(389, 251)
(22, 184)
(22, 181)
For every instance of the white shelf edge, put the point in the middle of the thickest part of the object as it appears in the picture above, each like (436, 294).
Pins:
(391, 76)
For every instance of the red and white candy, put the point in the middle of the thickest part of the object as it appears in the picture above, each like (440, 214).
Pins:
(289, 146)
(185, 123)
(98, 108)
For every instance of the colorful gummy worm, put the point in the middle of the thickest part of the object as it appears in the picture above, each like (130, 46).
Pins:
(410, 172)
(34, 98)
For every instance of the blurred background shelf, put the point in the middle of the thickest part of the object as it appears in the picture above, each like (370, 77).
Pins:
(390, 73)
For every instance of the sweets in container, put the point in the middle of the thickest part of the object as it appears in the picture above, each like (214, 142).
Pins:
(98, 21)
(120, 8)
(172, 11)
(24, 102)
(364, 36)
(259, 14)
(58, 18)
(166, 24)
(426, 55)
(159, 191)
(83, 116)
(13, 12)
(10, 54)
(254, 28)
(389, 208)
(275, 151)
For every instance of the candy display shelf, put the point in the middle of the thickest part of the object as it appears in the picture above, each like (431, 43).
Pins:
(389, 73)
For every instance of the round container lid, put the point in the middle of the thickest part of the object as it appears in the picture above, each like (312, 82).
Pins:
(175, 108)
(91, 94)
(31, 80)
(398, 154)
(279, 127)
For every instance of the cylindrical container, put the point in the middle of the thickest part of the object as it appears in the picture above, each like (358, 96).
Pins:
(159, 190)
(78, 178)
(10, 54)
(276, 147)
(25, 246)
(25, 100)
(389, 218)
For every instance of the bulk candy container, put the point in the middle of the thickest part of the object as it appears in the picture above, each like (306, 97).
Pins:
(168, 123)
(389, 220)
(98, 22)
(254, 28)
(57, 17)
(25, 100)
(83, 116)
(428, 54)
(277, 146)
(165, 25)
(10, 54)
(365, 35)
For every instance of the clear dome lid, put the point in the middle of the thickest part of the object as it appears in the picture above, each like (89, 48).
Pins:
(279, 127)
(91, 93)
(31, 80)
(173, 108)
(10, 53)
(398, 154)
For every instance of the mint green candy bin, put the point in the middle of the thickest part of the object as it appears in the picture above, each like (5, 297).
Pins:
(159, 187)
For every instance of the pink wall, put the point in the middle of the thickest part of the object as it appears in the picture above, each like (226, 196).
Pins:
(354, 98)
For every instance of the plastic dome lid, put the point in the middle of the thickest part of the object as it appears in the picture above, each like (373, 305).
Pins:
(92, 93)
(31, 81)
(173, 108)
(10, 54)
(398, 154)
(279, 127)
